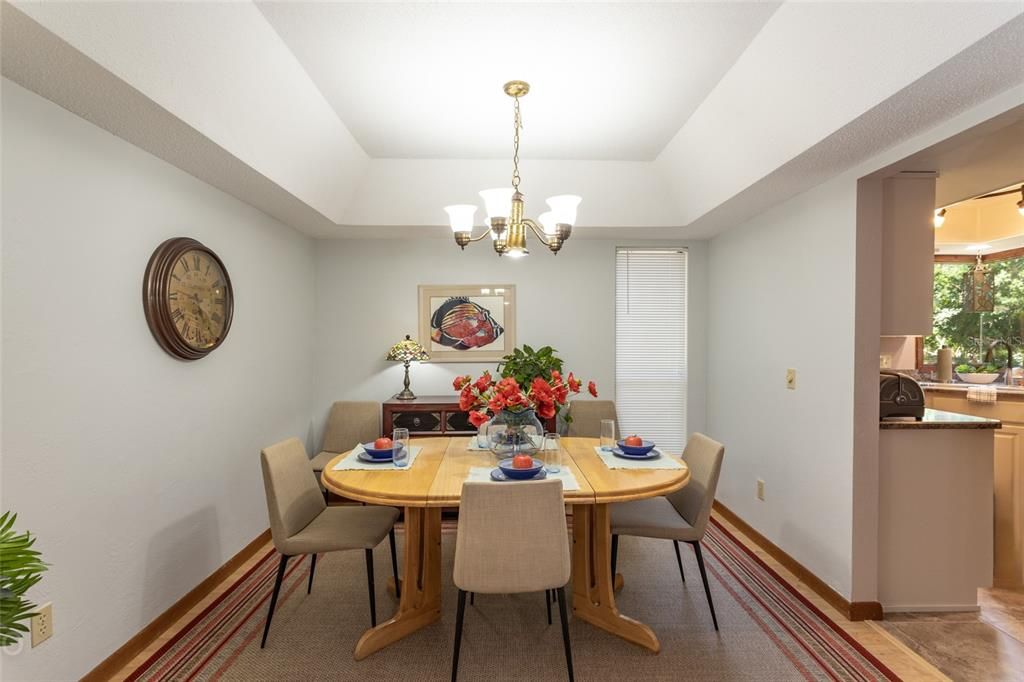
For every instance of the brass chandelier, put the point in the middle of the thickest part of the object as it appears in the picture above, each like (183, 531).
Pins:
(504, 206)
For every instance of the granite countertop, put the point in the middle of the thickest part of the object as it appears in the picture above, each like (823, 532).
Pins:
(940, 419)
(1002, 390)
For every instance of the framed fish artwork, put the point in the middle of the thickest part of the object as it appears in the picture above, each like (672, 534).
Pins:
(468, 323)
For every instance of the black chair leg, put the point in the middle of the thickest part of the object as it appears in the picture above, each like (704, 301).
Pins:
(615, 555)
(679, 560)
(565, 631)
(273, 598)
(369, 584)
(704, 577)
(312, 570)
(458, 633)
(394, 563)
(547, 602)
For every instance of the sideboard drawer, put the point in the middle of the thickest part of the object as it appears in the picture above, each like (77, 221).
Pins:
(418, 421)
(458, 421)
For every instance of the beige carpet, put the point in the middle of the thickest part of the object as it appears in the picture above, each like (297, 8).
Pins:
(767, 631)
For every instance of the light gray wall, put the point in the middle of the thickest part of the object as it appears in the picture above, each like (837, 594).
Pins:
(367, 300)
(782, 296)
(138, 472)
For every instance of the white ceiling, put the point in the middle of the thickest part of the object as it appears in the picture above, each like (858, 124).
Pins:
(365, 119)
(608, 81)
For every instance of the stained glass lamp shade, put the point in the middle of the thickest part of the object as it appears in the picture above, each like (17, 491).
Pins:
(407, 351)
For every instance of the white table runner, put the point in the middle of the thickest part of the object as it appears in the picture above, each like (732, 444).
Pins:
(613, 462)
(483, 475)
(352, 461)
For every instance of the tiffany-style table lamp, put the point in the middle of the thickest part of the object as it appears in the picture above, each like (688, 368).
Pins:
(407, 351)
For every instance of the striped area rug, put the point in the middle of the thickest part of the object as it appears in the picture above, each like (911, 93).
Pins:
(768, 630)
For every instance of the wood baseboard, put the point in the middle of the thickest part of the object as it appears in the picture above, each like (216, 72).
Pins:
(123, 656)
(858, 610)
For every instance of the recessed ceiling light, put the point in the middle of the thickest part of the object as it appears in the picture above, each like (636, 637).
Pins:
(939, 218)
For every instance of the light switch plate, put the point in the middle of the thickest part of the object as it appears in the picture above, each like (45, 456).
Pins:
(760, 489)
(791, 379)
(885, 361)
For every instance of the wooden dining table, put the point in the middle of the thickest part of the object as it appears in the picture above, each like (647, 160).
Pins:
(434, 481)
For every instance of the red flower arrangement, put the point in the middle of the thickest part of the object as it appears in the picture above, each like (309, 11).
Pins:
(487, 396)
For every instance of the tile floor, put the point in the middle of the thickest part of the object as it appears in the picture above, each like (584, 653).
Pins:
(986, 645)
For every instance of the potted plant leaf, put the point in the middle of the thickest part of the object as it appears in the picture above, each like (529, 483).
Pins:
(21, 567)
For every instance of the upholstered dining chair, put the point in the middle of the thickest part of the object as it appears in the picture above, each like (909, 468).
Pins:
(587, 415)
(348, 423)
(493, 556)
(682, 516)
(302, 523)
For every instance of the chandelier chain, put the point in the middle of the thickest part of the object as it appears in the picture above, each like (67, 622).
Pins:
(515, 146)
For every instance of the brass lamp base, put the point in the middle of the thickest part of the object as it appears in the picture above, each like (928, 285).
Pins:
(406, 393)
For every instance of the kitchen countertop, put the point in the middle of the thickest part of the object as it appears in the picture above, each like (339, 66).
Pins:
(940, 419)
(1015, 393)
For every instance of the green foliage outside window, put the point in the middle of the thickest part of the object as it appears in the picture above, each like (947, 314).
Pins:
(969, 334)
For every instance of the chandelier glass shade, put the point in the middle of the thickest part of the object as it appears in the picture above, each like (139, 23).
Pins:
(504, 208)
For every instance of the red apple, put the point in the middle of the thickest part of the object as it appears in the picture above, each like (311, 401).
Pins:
(382, 444)
(522, 462)
(634, 441)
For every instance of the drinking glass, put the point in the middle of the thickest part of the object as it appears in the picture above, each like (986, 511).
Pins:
(607, 434)
(483, 441)
(400, 441)
(552, 453)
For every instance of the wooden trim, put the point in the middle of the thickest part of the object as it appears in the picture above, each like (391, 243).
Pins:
(985, 257)
(137, 644)
(1003, 255)
(858, 610)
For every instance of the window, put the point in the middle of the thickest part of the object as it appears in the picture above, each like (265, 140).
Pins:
(969, 334)
(650, 344)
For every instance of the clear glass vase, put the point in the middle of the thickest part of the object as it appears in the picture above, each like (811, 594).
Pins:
(511, 433)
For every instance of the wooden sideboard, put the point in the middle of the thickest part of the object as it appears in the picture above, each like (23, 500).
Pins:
(432, 415)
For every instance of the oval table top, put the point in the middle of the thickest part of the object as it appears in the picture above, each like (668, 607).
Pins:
(435, 478)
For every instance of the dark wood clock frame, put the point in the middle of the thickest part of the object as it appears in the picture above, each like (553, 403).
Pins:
(154, 298)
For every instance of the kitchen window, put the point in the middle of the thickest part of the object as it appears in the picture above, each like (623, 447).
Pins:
(650, 344)
(967, 333)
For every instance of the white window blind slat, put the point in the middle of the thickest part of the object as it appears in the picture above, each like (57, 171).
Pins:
(650, 344)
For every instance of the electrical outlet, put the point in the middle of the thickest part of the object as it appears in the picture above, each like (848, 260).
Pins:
(760, 489)
(42, 624)
(791, 379)
(885, 361)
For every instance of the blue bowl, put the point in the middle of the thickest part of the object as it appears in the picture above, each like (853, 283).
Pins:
(378, 454)
(635, 450)
(520, 474)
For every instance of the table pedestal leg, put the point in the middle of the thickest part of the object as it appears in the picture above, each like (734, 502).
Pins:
(420, 604)
(593, 592)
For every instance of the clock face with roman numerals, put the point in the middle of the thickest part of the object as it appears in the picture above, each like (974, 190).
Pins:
(188, 298)
(197, 298)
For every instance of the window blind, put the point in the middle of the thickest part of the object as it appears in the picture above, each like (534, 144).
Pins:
(650, 344)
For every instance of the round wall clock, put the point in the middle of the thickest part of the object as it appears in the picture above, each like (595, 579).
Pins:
(188, 299)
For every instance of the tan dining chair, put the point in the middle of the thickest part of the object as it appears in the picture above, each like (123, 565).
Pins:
(586, 415)
(302, 523)
(493, 556)
(348, 423)
(682, 516)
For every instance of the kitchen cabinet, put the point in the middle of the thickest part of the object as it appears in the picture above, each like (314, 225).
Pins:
(908, 253)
